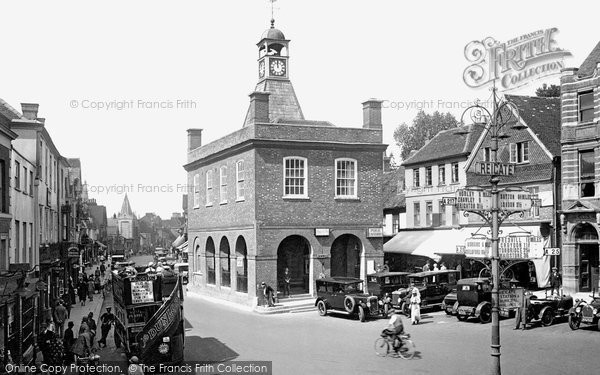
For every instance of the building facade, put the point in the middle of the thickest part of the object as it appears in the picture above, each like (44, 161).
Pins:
(580, 215)
(283, 192)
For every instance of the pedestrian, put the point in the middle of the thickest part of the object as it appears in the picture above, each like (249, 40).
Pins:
(66, 298)
(92, 325)
(83, 326)
(68, 341)
(60, 315)
(435, 267)
(268, 293)
(427, 266)
(443, 266)
(555, 281)
(521, 315)
(107, 320)
(91, 287)
(82, 289)
(287, 279)
(97, 272)
(72, 293)
(459, 269)
(415, 306)
(83, 345)
(102, 268)
(44, 339)
(97, 283)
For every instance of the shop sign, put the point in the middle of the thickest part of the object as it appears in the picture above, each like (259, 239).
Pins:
(142, 292)
(510, 298)
(322, 232)
(73, 252)
(240, 262)
(375, 232)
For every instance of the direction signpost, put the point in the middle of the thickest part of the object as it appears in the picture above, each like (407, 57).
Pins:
(488, 168)
(481, 200)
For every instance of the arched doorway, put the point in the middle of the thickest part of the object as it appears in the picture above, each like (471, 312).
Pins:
(210, 261)
(241, 265)
(345, 256)
(225, 263)
(586, 238)
(294, 254)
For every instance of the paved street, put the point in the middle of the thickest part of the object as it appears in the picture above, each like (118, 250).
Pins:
(306, 343)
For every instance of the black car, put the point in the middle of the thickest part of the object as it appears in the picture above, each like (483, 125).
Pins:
(549, 308)
(346, 295)
(585, 312)
(474, 299)
(432, 285)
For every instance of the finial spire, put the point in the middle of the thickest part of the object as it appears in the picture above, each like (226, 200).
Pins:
(272, 17)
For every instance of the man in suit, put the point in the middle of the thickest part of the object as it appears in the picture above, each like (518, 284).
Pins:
(555, 281)
(521, 315)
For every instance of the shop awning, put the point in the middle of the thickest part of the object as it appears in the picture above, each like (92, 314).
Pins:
(429, 243)
(178, 241)
(183, 247)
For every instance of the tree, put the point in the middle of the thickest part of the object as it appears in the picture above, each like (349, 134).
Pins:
(552, 91)
(423, 128)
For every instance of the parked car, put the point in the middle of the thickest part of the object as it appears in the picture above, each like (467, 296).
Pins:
(474, 299)
(585, 312)
(433, 287)
(346, 295)
(448, 303)
(382, 284)
(549, 308)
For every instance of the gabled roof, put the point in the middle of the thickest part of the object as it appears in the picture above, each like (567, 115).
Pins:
(542, 117)
(446, 144)
(392, 182)
(126, 207)
(589, 64)
(8, 111)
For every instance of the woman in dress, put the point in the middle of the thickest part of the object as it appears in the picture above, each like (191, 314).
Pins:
(415, 306)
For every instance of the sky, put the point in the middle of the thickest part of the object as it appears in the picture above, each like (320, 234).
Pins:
(120, 82)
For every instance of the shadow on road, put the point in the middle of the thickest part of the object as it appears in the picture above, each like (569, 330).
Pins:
(207, 349)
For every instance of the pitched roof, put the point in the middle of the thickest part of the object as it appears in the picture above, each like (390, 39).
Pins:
(589, 64)
(126, 207)
(542, 116)
(283, 102)
(8, 111)
(392, 182)
(446, 144)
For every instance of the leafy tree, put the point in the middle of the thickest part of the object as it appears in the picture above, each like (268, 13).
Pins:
(424, 127)
(546, 91)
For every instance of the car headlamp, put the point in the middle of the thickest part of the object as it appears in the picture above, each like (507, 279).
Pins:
(578, 309)
(595, 311)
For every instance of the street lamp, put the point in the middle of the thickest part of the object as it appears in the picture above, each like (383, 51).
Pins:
(503, 112)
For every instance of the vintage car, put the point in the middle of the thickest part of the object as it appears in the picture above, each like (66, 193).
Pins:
(474, 299)
(433, 287)
(449, 302)
(585, 312)
(547, 309)
(382, 284)
(345, 294)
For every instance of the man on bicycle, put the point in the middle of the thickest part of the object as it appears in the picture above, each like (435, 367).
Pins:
(394, 329)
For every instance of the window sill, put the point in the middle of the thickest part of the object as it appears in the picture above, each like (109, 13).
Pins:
(208, 205)
(240, 200)
(222, 203)
(196, 207)
(299, 198)
(346, 198)
(583, 123)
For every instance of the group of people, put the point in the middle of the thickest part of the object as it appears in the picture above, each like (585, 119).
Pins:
(92, 284)
(434, 267)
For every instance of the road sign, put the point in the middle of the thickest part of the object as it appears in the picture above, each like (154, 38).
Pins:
(552, 251)
(510, 247)
(516, 200)
(510, 298)
(473, 200)
(448, 201)
(489, 168)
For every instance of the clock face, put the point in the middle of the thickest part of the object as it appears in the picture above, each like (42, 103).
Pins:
(277, 67)
(261, 69)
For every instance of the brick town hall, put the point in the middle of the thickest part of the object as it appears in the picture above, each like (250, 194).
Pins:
(283, 192)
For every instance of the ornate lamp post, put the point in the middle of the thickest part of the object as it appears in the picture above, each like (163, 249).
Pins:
(503, 112)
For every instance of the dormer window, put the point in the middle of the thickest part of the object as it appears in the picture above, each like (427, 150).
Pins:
(519, 152)
(586, 106)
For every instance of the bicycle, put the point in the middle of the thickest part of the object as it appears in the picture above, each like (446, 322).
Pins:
(385, 345)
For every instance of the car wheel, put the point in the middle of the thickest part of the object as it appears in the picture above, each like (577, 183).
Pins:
(362, 316)
(406, 309)
(462, 318)
(547, 317)
(322, 308)
(485, 314)
(349, 304)
(574, 322)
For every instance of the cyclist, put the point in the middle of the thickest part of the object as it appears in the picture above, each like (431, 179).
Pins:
(394, 329)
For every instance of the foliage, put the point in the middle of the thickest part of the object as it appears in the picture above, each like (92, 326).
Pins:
(552, 91)
(424, 127)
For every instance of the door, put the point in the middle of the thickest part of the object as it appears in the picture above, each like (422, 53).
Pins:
(588, 267)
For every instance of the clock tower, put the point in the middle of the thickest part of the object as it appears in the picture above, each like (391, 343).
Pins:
(274, 78)
(273, 54)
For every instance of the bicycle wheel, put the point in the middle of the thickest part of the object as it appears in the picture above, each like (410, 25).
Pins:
(381, 347)
(407, 351)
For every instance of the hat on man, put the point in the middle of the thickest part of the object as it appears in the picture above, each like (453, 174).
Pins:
(134, 359)
(263, 283)
(108, 309)
(554, 268)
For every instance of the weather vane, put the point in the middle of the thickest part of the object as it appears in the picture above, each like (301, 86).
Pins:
(272, 11)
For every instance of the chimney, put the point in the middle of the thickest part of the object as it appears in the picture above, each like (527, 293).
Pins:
(259, 107)
(372, 114)
(30, 110)
(194, 139)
